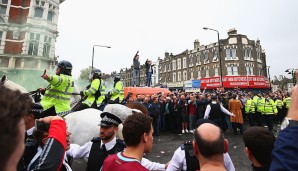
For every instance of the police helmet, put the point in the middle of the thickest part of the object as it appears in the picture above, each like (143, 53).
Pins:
(65, 67)
(96, 73)
(116, 78)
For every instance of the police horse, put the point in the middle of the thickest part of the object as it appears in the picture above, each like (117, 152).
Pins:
(82, 124)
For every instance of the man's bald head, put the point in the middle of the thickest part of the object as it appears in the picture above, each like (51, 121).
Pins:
(209, 140)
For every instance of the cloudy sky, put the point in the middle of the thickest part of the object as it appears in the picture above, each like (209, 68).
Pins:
(156, 26)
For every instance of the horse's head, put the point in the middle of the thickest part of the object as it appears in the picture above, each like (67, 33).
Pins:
(12, 85)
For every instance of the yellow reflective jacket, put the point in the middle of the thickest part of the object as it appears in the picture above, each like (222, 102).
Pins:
(58, 94)
(118, 91)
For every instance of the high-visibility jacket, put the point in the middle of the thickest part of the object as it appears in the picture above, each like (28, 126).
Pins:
(278, 104)
(58, 94)
(287, 102)
(92, 92)
(118, 91)
(102, 94)
(260, 104)
(269, 107)
(249, 106)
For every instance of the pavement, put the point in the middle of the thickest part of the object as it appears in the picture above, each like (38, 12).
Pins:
(165, 145)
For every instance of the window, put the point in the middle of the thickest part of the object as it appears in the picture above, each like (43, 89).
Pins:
(198, 57)
(179, 63)
(247, 53)
(215, 71)
(249, 70)
(38, 12)
(232, 70)
(206, 57)
(258, 55)
(4, 1)
(174, 65)
(165, 68)
(3, 9)
(179, 76)
(33, 44)
(174, 77)
(46, 46)
(207, 72)
(191, 75)
(228, 53)
(50, 16)
(154, 70)
(215, 55)
(234, 55)
(199, 74)
(184, 75)
(184, 62)
(190, 60)
(169, 69)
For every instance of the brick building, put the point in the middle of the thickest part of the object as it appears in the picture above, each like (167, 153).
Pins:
(28, 32)
(240, 57)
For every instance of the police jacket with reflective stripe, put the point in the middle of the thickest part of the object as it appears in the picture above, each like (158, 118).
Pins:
(58, 93)
(91, 92)
(118, 91)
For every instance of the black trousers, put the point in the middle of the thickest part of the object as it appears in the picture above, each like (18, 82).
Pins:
(235, 126)
(259, 118)
(269, 121)
(252, 119)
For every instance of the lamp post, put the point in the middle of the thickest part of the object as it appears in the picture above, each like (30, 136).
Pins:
(93, 52)
(269, 77)
(219, 54)
(292, 71)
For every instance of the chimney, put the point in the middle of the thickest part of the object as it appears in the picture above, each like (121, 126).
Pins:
(196, 44)
(258, 41)
(232, 31)
(167, 54)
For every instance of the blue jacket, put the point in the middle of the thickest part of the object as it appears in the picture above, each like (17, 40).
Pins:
(285, 152)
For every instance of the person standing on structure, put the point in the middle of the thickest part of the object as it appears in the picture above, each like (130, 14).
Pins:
(136, 70)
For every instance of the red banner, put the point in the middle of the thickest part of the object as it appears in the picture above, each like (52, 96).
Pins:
(235, 81)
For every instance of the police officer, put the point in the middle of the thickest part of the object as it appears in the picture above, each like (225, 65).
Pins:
(250, 110)
(117, 94)
(106, 144)
(61, 87)
(258, 100)
(269, 110)
(278, 104)
(94, 91)
(286, 104)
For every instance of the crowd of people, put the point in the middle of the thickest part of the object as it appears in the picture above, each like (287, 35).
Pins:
(178, 111)
(32, 139)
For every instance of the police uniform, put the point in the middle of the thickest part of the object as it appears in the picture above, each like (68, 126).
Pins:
(179, 161)
(96, 151)
(117, 95)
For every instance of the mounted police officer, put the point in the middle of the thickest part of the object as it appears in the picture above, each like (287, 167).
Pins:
(95, 92)
(117, 95)
(61, 87)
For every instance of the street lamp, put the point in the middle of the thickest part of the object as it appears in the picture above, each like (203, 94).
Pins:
(219, 54)
(292, 71)
(269, 77)
(93, 52)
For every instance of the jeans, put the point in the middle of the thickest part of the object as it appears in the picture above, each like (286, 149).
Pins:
(228, 122)
(156, 126)
(162, 123)
(135, 75)
(148, 78)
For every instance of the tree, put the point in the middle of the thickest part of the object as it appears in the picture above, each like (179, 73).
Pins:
(84, 73)
(281, 81)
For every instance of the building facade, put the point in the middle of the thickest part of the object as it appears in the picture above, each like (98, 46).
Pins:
(28, 32)
(240, 57)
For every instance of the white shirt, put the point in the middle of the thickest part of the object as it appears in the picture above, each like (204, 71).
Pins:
(30, 131)
(224, 110)
(178, 161)
(83, 151)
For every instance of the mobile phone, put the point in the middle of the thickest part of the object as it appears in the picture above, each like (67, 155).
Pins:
(41, 126)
